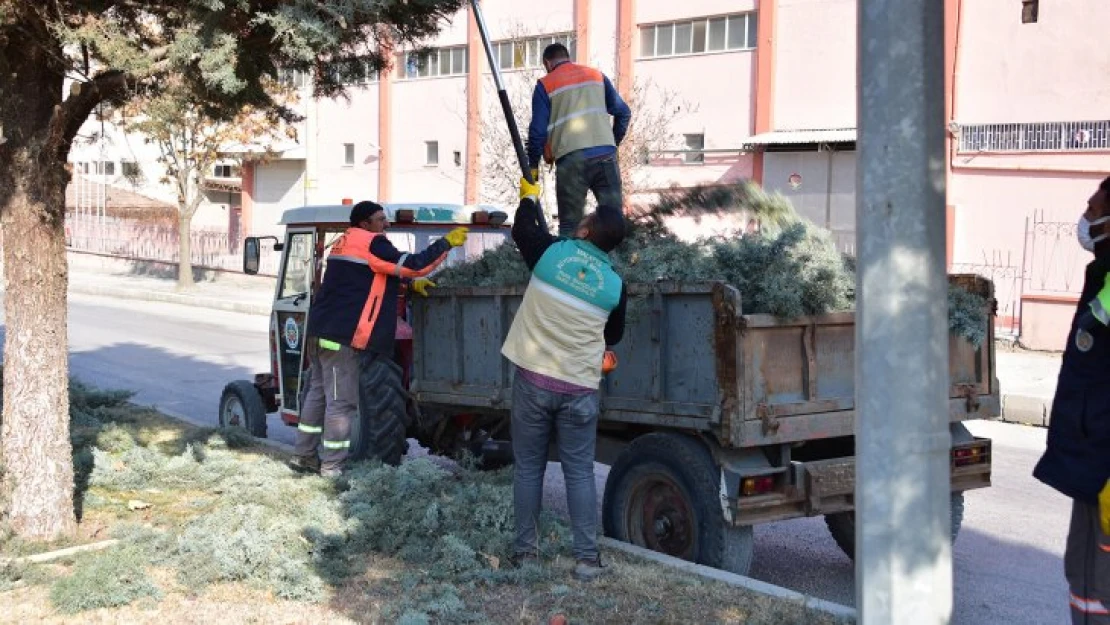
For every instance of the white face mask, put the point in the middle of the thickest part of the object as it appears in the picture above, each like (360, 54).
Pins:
(1083, 232)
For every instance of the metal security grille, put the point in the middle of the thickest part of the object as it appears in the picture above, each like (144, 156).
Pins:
(1036, 137)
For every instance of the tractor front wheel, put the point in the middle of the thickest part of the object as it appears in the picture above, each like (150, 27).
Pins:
(241, 405)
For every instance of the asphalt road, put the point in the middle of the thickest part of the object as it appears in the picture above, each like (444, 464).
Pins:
(1007, 558)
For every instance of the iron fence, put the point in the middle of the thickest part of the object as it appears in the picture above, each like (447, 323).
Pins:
(159, 242)
(1053, 260)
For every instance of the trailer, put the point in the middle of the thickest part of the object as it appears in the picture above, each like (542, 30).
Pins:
(715, 420)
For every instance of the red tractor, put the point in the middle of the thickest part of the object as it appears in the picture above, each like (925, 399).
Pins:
(309, 233)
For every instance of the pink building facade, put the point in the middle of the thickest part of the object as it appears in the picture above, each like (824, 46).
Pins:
(1030, 143)
(762, 89)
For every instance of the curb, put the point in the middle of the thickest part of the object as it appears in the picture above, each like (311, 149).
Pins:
(732, 579)
(1026, 410)
(171, 298)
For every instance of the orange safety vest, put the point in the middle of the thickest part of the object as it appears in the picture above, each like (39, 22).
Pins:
(579, 118)
(354, 247)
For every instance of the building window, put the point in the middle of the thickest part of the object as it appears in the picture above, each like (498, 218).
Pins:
(712, 34)
(431, 152)
(348, 154)
(130, 169)
(293, 78)
(695, 143)
(352, 73)
(528, 52)
(1029, 11)
(222, 171)
(106, 168)
(458, 158)
(435, 62)
(1035, 137)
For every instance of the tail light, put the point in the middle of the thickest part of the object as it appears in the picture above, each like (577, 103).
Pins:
(966, 456)
(757, 485)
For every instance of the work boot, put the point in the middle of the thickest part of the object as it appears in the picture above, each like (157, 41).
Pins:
(589, 570)
(305, 464)
(331, 473)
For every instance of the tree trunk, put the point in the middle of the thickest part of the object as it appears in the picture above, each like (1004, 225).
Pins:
(185, 250)
(37, 454)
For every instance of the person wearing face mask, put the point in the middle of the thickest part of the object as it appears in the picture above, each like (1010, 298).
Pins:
(1077, 459)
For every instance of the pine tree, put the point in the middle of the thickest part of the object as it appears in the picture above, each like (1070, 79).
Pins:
(59, 61)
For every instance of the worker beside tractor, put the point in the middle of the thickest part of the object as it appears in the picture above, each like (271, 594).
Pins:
(350, 334)
(570, 127)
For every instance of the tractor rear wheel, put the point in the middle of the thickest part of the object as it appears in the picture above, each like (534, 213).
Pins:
(380, 429)
(663, 493)
(842, 525)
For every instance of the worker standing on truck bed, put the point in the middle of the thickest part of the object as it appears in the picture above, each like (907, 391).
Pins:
(1077, 460)
(351, 330)
(574, 306)
(570, 126)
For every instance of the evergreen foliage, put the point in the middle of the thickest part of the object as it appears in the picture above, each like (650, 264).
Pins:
(113, 578)
(789, 268)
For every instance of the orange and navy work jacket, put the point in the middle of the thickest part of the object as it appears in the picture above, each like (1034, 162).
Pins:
(357, 302)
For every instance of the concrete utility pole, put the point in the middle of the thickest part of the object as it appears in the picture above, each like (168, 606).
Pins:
(903, 536)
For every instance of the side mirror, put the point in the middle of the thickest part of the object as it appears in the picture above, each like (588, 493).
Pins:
(252, 252)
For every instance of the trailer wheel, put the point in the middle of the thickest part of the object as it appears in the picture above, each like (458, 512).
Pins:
(662, 494)
(842, 525)
(379, 431)
(241, 406)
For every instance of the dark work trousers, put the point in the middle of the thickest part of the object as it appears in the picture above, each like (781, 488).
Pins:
(329, 405)
(1087, 566)
(574, 176)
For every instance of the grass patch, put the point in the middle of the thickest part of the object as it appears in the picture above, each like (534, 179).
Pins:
(114, 578)
(209, 518)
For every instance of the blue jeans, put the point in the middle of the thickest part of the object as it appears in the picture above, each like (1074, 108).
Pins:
(537, 413)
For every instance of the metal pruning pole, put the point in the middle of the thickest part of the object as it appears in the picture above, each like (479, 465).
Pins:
(903, 535)
(514, 131)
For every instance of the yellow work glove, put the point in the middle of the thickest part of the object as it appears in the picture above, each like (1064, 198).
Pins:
(1104, 508)
(456, 237)
(529, 190)
(420, 285)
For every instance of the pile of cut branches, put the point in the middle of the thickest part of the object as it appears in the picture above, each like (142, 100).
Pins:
(789, 268)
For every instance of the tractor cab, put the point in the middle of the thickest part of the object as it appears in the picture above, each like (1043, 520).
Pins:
(310, 232)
